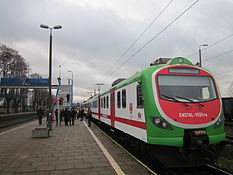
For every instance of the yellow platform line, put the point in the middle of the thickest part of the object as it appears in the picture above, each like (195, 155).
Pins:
(111, 160)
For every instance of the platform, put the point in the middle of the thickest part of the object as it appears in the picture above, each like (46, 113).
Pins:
(69, 150)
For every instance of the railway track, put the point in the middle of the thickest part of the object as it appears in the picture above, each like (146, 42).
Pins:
(227, 123)
(229, 140)
(156, 167)
(203, 170)
(8, 120)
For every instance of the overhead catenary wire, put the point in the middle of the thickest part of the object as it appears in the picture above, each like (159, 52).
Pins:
(219, 73)
(126, 51)
(211, 45)
(214, 57)
(139, 50)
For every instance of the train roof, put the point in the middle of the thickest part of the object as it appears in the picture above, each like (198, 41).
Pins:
(161, 62)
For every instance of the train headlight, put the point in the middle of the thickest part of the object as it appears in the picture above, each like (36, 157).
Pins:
(219, 122)
(157, 121)
(161, 123)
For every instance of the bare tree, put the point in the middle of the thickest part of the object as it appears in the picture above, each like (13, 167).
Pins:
(40, 96)
(13, 66)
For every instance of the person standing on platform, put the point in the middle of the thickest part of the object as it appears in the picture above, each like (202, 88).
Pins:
(62, 115)
(47, 112)
(89, 115)
(66, 116)
(56, 115)
(73, 113)
(40, 114)
(78, 114)
(69, 116)
(81, 114)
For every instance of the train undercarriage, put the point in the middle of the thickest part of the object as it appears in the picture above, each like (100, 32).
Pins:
(193, 154)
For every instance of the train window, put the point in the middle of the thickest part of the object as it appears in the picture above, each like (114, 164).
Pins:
(104, 103)
(123, 98)
(183, 70)
(101, 102)
(140, 100)
(186, 89)
(96, 104)
(119, 99)
(107, 102)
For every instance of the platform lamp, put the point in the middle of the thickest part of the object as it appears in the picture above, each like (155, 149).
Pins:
(50, 67)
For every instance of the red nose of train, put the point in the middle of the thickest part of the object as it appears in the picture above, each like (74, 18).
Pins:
(186, 96)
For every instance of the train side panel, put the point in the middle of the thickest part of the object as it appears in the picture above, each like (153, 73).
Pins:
(129, 117)
(105, 109)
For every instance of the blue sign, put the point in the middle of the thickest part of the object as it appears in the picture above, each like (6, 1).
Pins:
(27, 81)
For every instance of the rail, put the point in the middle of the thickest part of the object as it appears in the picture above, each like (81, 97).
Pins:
(16, 118)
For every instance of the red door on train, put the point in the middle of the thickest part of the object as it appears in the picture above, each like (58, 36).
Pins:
(112, 107)
(99, 107)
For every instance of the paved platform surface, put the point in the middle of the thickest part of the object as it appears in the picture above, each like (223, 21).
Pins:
(68, 150)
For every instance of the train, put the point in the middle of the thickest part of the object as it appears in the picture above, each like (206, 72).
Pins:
(172, 110)
(228, 108)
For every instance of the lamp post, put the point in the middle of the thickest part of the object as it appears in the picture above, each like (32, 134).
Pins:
(99, 84)
(202, 45)
(50, 70)
(50, 55)
(72, 87)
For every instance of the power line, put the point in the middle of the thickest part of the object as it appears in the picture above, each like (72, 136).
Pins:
(211, 45)
(122, 55)
(152, 39)
(224, 53)
(218, 74)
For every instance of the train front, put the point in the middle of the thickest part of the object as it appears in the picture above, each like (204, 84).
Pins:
(189, 112)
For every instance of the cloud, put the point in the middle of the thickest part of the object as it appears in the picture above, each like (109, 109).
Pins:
(96, 33)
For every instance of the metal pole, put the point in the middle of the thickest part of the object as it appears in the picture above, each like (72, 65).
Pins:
(72, 89)
(50, 67)
(71, 101)
(99, 84)
(72, 84)
(204, 45)
(50, 78)
(200, 55)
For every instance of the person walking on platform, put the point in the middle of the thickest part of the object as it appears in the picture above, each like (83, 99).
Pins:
(40, 114)
(89, 115)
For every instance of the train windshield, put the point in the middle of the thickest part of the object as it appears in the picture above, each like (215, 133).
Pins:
(186, 89)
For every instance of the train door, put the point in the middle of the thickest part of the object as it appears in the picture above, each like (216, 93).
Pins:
(112, 107)
(99, 111)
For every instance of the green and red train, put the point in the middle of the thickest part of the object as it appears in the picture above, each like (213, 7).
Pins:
(173, 107)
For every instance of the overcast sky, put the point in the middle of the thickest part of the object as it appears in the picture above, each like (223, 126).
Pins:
(95, 33)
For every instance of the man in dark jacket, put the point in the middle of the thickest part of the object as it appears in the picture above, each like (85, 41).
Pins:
(73, 115)
(89, 115)
(66, 116)
(81, 114)
(40, 114)
(56, 115)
